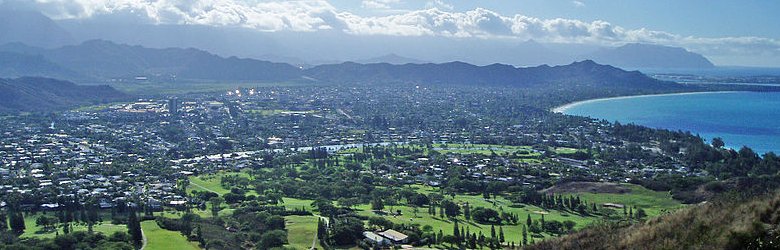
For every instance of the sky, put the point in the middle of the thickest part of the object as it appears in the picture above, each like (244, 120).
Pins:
(728, 32)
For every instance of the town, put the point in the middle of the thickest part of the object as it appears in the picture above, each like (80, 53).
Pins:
(151, 154)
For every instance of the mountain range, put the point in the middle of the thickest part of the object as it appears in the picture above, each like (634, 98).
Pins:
(101, 61)
(313, 48)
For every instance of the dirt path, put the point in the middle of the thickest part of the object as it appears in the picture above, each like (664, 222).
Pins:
(143, 236)
(204, 188)
(314, 242)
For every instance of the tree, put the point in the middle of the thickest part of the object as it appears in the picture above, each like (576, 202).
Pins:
(377, 204)
(17, 223)
(134, 228)
(485, 215)
(640, 214)
(273, 238)
(3, 222)
(717, 142)
(525, 235)
(216, 205)
(346, 230)
(47, 222)
(450, 208)
(467, 211)
(380, 222)
(501, 234)
(569, 225)
(456, 232)
(528, 220)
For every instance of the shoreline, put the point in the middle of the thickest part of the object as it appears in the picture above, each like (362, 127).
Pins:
(563, 108)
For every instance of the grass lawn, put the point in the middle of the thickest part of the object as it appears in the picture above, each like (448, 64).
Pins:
(562, 150)
(485, 149)
(213, 182)
(654, 203)
(35, 231)
(301, 231)
(161, 239)
(512, 233)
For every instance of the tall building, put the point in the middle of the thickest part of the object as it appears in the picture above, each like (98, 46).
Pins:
(173, 106)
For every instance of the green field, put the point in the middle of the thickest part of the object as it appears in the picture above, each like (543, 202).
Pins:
(301, 231)
(212, 183)
(512, 233)
(485, 149)
(161, 239)
(35, 231)
(301, 228)
(654, 203)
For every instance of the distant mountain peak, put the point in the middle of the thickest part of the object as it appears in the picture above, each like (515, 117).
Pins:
(640, 55)
(391, 58)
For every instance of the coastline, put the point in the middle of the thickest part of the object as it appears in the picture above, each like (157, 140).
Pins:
(563, 108)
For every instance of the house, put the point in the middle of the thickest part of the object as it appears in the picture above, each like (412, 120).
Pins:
(376, 239)
(394, 236)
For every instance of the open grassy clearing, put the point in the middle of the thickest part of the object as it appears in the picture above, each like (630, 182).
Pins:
(213, 182)
(161, 239)
(36, 231)
(563, 150)
(301, 231)
(300, 234)
(654, 203)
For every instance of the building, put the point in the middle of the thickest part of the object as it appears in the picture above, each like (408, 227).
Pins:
(394, 236)
(173, 106)
(376, 239)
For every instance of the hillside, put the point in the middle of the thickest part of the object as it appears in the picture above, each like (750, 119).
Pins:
(720, 224)
(584, 74)
(43, 94)
(19, 65)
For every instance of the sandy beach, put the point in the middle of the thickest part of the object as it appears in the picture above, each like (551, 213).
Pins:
(563, 108)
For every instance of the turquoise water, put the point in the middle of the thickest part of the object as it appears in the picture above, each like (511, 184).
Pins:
(740, 118)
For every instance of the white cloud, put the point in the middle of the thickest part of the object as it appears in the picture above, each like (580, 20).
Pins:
(578, 3)
(438, 19)
(439, 4)
(378, 4)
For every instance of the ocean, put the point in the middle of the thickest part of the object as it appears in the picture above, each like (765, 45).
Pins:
(741, 118)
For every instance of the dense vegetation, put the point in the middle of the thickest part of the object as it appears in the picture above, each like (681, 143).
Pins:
(731, 222)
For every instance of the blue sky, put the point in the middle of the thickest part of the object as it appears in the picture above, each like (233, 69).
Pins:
(728, 32)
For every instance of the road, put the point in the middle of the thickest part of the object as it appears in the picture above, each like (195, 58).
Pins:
(314, 242)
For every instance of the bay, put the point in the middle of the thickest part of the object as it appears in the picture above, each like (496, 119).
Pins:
(741, 118)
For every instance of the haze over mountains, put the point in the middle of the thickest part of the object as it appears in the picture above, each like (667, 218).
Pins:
(44, 94)
(103, 61)
(327, 47)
